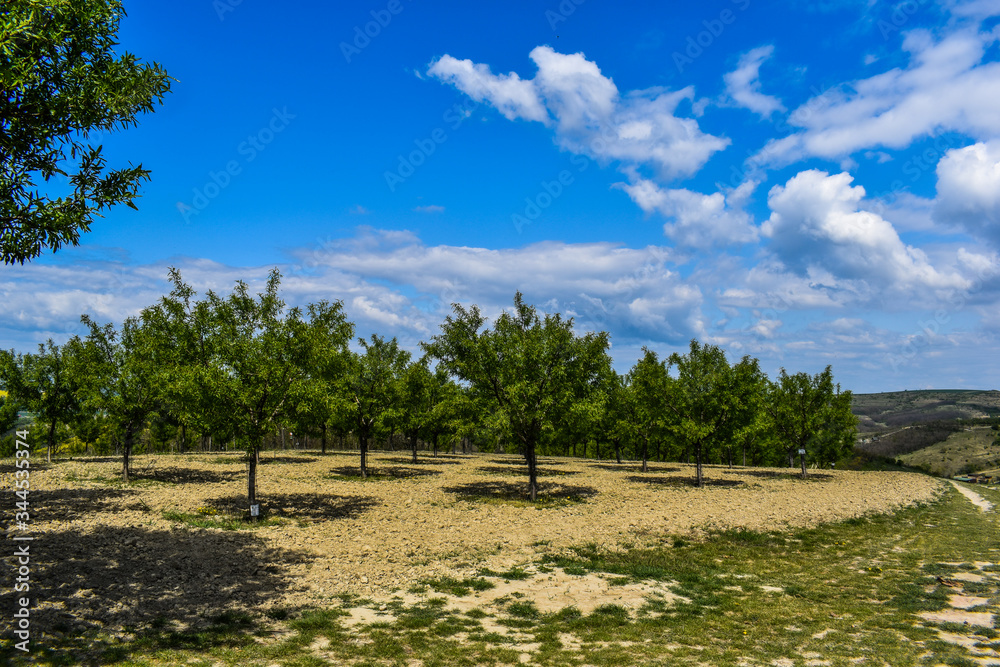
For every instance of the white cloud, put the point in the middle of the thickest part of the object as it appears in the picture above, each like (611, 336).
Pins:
(743, 84)
(432, 208)
(698, 220)
(946, 87)
(969, 189)
(816, 227)
(975, 9)
(591, 117)
(512, 96)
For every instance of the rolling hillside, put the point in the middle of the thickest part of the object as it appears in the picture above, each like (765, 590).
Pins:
(890, 410)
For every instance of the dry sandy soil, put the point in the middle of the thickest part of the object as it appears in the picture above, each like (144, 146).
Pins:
(105, 555)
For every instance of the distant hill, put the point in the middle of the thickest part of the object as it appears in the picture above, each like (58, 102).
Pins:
(889, 410)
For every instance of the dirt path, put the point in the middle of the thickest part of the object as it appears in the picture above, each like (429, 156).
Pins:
(974, 497)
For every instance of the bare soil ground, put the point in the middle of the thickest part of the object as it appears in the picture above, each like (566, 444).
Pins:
(105, 555)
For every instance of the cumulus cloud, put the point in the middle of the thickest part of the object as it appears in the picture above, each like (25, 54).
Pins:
(589, 114)
(512, 96)
(817, 226)
(634, 292)
(945, 87)
(698, 220)
(743, 84)
(969, 190)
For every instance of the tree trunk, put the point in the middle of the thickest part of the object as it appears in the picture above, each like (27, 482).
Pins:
(126, 452)
(183, 442)
(697, 455)
(413, 445)
(322, 442)
(52, 440)
(252, 482)
(574, 448)
(363, 446)
(392, 434)
(744, 456)
(802, 460)
(791, 462)
(645, 454)
(532, 472)
(730, 451)
(435, 444)
(618, 450)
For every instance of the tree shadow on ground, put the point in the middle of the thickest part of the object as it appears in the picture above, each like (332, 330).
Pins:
(427, 459)
(633, 466)
(382, 472)
(683, 481)
(187, 476)
(791, 473)
(73, 504)
(494, 490)
(265, 459)
(296, 506)
(523, 470)
(167, 585)
(10, 468)
(518, 460)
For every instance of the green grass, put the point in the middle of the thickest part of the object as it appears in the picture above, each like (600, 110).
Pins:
(458, 587)
(964, 451)
(839, 592)
(223, 521)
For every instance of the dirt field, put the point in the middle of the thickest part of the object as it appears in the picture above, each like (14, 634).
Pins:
(107, 556)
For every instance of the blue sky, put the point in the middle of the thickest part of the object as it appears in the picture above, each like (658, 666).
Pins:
(810, 183)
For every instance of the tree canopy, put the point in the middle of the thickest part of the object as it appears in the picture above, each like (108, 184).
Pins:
(63, 87)
(530, 367)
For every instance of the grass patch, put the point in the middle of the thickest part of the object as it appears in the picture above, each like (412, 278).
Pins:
(200, 519)
(513, 574)
(458, 587)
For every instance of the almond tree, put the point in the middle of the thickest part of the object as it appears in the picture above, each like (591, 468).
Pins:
(709, 401)
(63, 81)
(257, 360)
(529, 367)
(374, 387)
(118, 378)
(41, 383)
(647, 381)
(811, 413)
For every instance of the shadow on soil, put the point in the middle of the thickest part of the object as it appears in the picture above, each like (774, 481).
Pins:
(308, 506)
(265, 460)
(632, 466)
(147, 582)
(382, 472)
(429, 460)
(187, 476)
(511, 491)
(70, 504)
(522, 470)
(791, 473)
(519, 461)
(682, 481)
